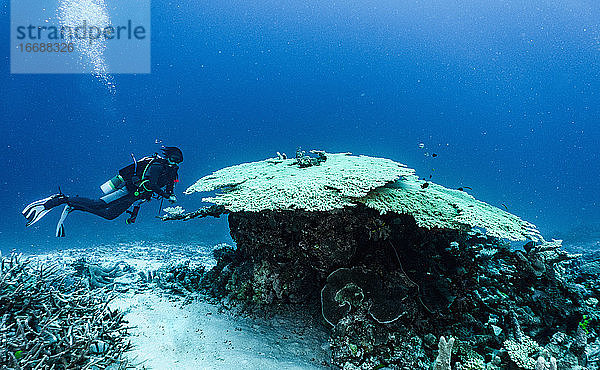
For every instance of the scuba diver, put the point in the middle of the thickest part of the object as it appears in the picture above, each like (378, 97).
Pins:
(134, 185)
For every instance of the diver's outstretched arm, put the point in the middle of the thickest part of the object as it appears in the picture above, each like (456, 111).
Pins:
(214, 211)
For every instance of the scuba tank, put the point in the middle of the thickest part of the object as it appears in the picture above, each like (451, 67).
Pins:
(112, 185)
(115, 188)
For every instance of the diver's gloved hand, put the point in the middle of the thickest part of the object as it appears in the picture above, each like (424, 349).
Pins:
(172, 199)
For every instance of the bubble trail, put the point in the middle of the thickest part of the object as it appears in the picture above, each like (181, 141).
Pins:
(75, 13)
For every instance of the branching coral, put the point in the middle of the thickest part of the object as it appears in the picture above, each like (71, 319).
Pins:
(49, 323)
(442, 362)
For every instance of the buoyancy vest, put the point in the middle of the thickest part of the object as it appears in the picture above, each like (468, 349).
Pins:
(134, 175)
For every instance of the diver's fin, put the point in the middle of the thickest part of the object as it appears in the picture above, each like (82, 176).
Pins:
(36, 214)
(60, 232)
(60, 227)
(36, 210)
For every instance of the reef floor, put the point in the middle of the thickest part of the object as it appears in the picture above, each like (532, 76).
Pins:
(187, 331)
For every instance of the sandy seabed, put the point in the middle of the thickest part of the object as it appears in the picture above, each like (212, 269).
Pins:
(174, 332)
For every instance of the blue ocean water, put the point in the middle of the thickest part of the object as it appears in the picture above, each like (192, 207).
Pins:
(505, 93)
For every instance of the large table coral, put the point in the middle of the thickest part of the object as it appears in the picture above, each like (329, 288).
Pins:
(282, 184)
(345, 180)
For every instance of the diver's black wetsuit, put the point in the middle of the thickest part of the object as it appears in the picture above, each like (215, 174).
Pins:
(158, 173)
(109, 211)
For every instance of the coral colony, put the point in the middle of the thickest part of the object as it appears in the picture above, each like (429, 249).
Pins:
(50, 319)
(406, 276)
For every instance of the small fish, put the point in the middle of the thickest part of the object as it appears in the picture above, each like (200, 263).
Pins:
(505, 207)
(434, 155)
(421, 146)
(462, 188)
(430, 176)
(425, 185)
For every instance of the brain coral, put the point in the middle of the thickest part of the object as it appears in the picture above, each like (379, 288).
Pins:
(345, 180)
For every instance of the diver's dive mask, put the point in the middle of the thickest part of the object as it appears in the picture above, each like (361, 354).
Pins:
(174, 163)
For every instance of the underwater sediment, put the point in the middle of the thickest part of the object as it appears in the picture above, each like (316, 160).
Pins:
(393, 266)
